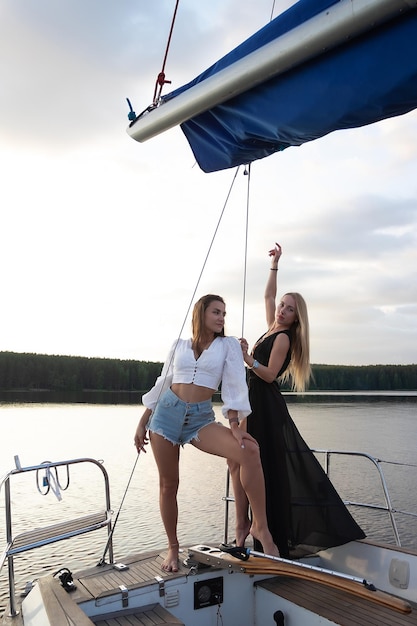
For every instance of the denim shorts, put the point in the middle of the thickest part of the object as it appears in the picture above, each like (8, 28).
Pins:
(177, 421)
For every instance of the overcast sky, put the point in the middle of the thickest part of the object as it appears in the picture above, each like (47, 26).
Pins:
(103, 239)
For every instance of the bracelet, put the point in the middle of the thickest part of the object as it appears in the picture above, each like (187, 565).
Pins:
(273, 269)
(233, 420)
(254, 365)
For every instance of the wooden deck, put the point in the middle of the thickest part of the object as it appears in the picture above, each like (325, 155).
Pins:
(338, 606)
(154, 615)
(102, 581)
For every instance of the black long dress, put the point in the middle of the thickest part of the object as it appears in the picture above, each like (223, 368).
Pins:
(305, 513)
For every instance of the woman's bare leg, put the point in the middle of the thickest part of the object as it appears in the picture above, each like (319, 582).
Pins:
(167, 459)
(241, 500)
(218, 440)
(241, 504)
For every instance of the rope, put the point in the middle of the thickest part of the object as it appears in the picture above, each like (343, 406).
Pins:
(397, 463)
(106, 547)
(247, 173)
(271, 17)
(51, 481)
(209, 248)
(161, 80)
(202, 270)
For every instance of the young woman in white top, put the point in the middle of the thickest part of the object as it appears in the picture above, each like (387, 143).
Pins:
(179, 411)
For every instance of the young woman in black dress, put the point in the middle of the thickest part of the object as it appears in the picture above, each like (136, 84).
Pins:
(305, 513)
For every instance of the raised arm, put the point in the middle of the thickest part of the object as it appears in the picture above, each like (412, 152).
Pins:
(271, 285)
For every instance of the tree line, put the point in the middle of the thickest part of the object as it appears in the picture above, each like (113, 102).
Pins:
(20, 371)
(68, 373)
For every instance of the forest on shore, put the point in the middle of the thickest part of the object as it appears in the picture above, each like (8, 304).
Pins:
(32, 372)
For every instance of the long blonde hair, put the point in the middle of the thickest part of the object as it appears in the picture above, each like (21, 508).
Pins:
(299, 369)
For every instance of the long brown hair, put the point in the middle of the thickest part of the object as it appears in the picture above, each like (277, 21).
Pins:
(197, 324)
(299, 369)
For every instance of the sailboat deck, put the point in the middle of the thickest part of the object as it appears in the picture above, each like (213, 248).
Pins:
(154, 615)
(100, 583)
(143, 569)
(335, 605)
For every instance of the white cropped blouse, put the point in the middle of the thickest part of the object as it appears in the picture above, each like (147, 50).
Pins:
(222, 362)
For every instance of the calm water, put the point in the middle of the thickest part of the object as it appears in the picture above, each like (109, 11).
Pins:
(382, 426)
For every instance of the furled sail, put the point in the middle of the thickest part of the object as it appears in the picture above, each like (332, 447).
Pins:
(321, 66)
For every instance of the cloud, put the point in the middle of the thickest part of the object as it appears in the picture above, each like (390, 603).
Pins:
(104, 241)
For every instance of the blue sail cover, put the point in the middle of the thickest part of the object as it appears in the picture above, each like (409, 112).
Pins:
(372, 77)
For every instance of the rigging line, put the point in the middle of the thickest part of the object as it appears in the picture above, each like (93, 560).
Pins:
(102, 561)
(199, 278)
(272, 12)
(110, 537)
(247, 172)
(180, 332)
(210, 247)
(397, 463)
(161, 81)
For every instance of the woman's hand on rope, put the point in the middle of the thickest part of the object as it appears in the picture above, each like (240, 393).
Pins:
(245, 350)
(245, 346)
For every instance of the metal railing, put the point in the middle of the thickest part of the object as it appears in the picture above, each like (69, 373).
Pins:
(387, 507)
(38, 537)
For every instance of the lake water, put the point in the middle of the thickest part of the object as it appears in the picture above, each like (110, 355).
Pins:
(383, 425)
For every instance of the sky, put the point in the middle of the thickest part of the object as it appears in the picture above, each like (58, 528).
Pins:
(107, 242)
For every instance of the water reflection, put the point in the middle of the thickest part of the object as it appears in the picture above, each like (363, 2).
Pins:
(383, 426)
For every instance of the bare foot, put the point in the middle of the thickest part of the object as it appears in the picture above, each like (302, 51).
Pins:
(170, 564)
(242, 531)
